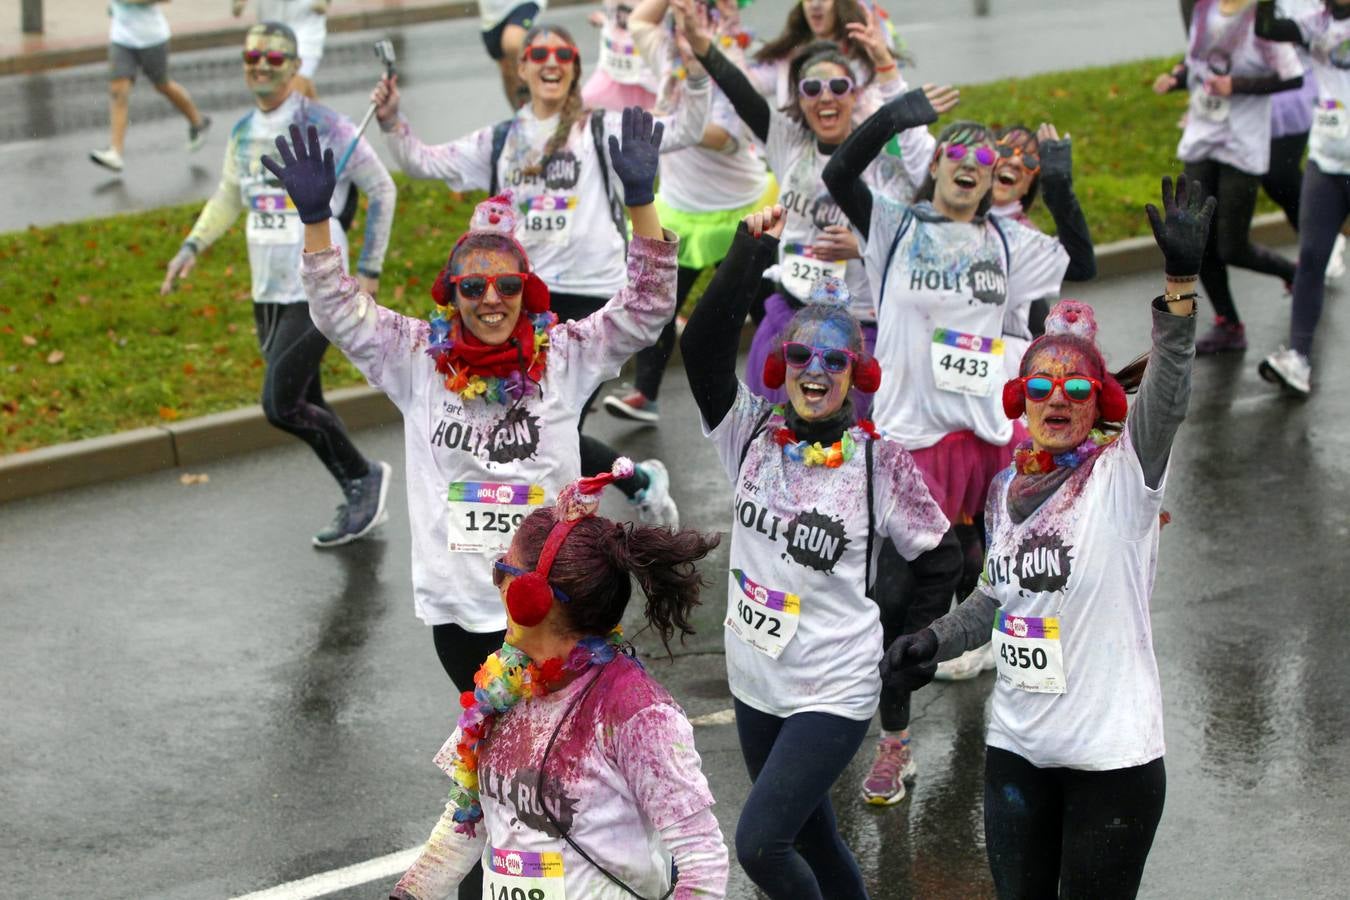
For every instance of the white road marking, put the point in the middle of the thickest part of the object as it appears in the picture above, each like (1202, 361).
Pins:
(326, 883)
(721, 717)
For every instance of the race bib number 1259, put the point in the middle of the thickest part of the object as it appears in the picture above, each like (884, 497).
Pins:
(482, 517)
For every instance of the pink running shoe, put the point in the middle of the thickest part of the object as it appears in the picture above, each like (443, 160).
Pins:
(1222, 337)
(894, 765)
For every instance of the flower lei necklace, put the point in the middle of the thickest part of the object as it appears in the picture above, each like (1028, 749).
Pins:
(506, 678)
(1030, 461)
(813, 454)
(445, 333)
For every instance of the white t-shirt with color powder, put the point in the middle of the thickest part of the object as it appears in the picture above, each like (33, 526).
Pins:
(624, 766)
(1328, 41)
(1232, 130)
(1087, 557)
(942, 303)
(799, 542)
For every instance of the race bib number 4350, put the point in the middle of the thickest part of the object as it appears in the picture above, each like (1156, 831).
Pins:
(763, 618)
(522, 875)
(483, 516)
(1029, 654)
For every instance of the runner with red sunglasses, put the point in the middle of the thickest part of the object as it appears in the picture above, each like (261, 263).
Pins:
(797, 144)
(569, 220)
(492, 388)
(815, 494)
(947, 276)
(1074, 778)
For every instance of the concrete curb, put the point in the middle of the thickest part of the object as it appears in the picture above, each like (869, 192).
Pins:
(230, 32)
(197, 441)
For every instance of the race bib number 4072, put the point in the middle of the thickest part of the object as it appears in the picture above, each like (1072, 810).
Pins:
(482, 517)
(761, 617)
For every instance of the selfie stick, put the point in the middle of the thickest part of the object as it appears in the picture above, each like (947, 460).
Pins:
(385, 51)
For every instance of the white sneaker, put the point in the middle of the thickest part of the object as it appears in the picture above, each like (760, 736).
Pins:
(654, 504)
(1290, 368)
(968, 665)
(1336, 265)
(108, 159)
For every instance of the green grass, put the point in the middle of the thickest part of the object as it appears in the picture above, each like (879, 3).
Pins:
(88, 346)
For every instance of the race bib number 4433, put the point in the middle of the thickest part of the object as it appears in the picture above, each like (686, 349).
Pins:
(1029, 654)
(966, 363)
(522, 875)
(482, 517)
(762, 618)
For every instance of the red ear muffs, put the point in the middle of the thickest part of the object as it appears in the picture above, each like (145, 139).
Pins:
(442, 291)
(867, 375)
(535, 294)
(775, 370)
(528, 599)
(1111, 403)
(1014, 398)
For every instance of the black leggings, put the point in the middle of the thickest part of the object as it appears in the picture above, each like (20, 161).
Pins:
(1230, 236)
(787, 839)
(461, 653)
(652, 361)
(292, 396)
(1069, 833)
(1326, 203)
(596, 455)
(1283, 181)
(904, 610)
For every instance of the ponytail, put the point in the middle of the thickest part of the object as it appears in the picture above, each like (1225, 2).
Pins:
(601, 558)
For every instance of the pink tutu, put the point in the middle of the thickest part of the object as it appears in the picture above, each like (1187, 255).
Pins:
(960, 467)
(602, 92)
(777, 314)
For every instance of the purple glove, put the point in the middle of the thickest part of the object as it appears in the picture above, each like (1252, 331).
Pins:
(308, 175)
(637, 160)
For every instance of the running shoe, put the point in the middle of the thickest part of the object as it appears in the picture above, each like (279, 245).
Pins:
(633, 405)
(894, 765)
(1336, 265)
(968, 665)
(654, 504)
(1286, 366)
(364, 510)
(197, 134)
(1222, 337)
(108, 159)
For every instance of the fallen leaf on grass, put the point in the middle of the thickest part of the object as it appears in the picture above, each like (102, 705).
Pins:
(168, 413)
(55, 357)
(191, 478)
(29, 340)
(189, 369)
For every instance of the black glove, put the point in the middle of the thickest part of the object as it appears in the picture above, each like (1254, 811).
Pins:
(910, 662)
(1182, 234)
(910, 110)
(308, 175)
(636, 161)
(1057, 160)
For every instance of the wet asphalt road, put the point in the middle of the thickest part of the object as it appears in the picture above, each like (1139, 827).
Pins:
(50, 122)
(196, 704)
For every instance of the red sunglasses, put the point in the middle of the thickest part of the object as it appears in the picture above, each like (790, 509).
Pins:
(275, 58)
(1078, 388)
(539, 53)
(507, 284)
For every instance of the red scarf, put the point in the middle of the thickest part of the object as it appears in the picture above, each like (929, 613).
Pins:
(470, 356)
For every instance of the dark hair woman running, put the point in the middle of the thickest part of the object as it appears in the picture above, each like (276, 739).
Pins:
(1074, 777)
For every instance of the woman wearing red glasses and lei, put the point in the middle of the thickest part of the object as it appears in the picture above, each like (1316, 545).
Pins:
(1074, 777)
(797, 143)
(575, 773)
(568, 218)
(815, 494)
(947, 276)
